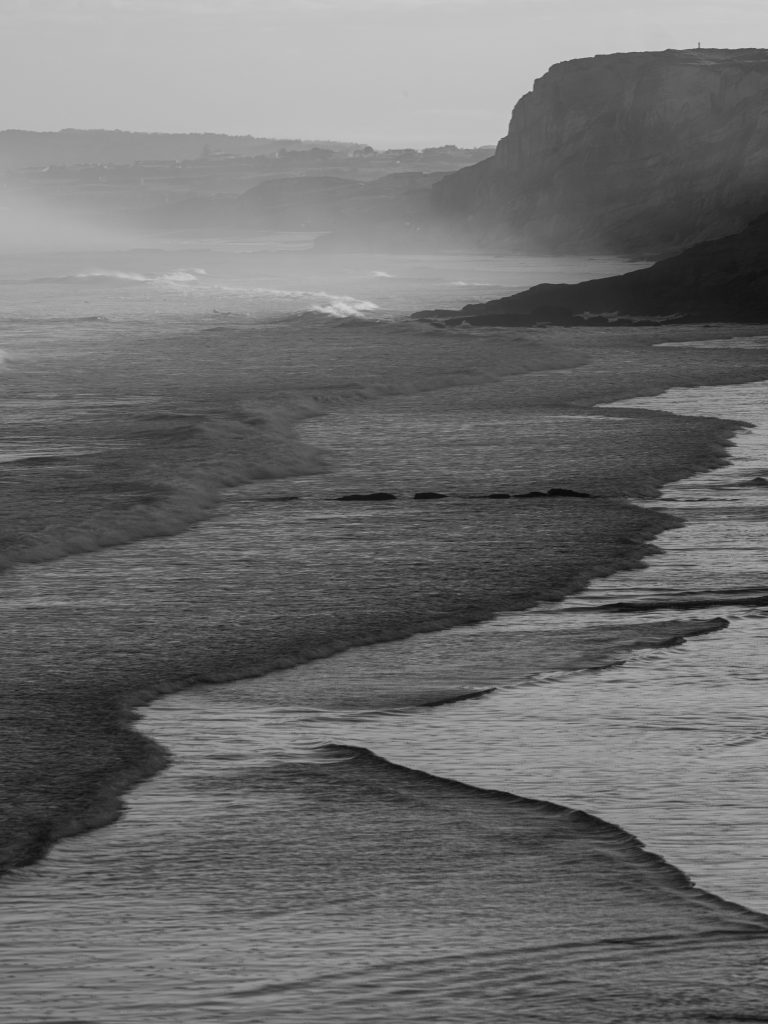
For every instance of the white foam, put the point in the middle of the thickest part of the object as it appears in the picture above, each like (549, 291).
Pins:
(344, 306)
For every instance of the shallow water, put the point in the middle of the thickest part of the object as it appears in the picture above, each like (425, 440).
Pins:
(254, 877)
(670, 744)
(269, 874)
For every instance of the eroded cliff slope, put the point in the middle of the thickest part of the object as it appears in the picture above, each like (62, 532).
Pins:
(640, 153)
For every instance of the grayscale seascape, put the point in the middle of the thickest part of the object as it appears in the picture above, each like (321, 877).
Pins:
(305, 856)
(383, 550)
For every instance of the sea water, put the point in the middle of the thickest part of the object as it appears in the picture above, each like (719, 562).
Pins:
(310, 862)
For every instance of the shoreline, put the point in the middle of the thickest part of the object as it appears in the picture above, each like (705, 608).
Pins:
(105, 804)
(667, 748)
(99, 801)
(627, 842)
(612, 892)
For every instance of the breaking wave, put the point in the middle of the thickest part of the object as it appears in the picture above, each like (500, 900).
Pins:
(182, 276)
(345, 307)
(169, 469)
(172, 480)
(41, 320)
(326, 303)
(341, 306)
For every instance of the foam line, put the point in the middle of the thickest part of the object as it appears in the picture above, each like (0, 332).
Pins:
(627, 843)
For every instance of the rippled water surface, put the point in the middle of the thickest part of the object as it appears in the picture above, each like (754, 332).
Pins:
(670, 744)
(317, 851)
(241, 881)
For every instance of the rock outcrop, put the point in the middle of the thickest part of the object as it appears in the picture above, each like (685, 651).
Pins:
(633, 153)
(724, 280)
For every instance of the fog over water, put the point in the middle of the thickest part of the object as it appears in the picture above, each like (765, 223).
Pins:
(439, 776)
(30, 223)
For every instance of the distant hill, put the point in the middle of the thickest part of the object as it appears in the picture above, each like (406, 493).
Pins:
(20, 149)
(231, 185)
(632, 153)
(725, 280)
(328, 203)
(389, 212)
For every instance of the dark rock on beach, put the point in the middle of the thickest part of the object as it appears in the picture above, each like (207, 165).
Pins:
(555, 492)
(374, 496)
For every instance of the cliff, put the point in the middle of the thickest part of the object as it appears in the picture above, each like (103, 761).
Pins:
(724, 280)
(631, 153)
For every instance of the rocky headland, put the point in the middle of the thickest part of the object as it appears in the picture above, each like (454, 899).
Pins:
(631, 153)
(725, 280)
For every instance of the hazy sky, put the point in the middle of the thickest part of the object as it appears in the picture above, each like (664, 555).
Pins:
(385, 72)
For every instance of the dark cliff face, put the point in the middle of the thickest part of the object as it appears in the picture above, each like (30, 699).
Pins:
(630, 153)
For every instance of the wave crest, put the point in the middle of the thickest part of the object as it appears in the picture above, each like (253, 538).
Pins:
(181, 276)
(345, 307)
(176, 477)
(341, 306)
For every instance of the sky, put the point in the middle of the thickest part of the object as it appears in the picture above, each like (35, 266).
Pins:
(382, 72)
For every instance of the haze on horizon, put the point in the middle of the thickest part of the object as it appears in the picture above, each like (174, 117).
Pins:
(384, 72)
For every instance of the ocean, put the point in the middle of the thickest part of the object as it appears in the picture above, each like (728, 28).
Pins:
(275, 756)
